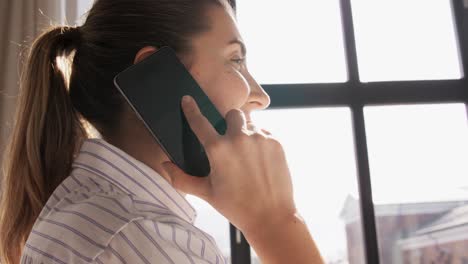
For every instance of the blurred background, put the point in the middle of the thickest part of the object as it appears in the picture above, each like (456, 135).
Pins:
(369, 101)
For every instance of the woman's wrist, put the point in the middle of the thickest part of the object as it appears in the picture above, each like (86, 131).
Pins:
(285, 240)
(264, 226)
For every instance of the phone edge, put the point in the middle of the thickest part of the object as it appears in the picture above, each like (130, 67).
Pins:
(144, 122)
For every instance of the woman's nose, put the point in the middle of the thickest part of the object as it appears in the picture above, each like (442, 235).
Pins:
(258, 99)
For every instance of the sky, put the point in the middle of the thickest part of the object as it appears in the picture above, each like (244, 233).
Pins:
(417, 153)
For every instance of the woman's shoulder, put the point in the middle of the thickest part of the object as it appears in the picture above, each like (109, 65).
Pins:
(83, 225)
(85, 221)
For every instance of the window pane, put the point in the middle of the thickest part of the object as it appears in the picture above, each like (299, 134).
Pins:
(319, 149)
(418, 162)
(213, 223)
(295, 41)
(405, 40)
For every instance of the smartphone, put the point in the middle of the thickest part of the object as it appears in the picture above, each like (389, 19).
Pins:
(154, 88)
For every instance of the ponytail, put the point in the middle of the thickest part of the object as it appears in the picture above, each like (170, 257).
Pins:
(46, 135)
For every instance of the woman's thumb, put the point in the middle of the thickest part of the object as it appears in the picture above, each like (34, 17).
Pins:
(198, 186)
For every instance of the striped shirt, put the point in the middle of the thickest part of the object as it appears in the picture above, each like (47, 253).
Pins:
(113, 208)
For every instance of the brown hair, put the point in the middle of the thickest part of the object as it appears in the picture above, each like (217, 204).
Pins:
(53, 106)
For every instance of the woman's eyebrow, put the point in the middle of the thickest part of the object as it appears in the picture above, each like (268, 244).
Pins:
(242, 45)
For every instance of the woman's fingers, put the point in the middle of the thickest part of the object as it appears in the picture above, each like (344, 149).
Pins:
(236, 122)
(200, 125)
(255, 129)
(266, 132)
(205, 132)
(198, 186)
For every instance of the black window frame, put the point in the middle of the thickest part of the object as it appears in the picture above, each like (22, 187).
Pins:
(356, 95)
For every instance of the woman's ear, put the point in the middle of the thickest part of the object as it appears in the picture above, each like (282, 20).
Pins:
(143, 53)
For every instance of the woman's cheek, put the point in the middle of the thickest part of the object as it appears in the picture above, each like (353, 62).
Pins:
(235, 91)
(241, 86)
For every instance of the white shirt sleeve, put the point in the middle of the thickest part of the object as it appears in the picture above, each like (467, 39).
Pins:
(149, 241)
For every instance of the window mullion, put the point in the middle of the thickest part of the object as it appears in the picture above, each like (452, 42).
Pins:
(461, 26)
(365, 191)
(349, 41)
(240, 248)
(460, 15)
(364, 184)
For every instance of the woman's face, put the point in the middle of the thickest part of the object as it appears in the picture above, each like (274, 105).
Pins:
(218, 65)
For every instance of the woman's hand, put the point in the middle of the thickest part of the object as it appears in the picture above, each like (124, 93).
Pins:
(249, 182)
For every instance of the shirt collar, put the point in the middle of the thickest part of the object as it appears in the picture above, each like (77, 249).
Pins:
(132, 176)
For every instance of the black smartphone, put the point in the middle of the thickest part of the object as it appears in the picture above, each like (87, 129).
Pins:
(154, 88)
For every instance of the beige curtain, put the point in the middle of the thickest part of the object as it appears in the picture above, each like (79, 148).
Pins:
(20, 22)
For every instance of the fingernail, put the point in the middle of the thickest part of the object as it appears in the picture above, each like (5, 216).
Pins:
(186, 99)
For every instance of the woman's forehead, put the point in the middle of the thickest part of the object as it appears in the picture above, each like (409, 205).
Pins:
(223, 27)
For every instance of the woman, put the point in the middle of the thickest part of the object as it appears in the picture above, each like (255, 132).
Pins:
(70, 198)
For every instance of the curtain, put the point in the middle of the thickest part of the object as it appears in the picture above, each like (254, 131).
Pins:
(20, 22)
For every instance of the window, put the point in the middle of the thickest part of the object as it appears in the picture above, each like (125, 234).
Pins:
(297, 41)
(407, 95)
(418, 153)
(318, 143)
(418, 163)
(405, 40)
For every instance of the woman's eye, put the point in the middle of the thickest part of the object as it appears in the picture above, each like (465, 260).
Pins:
(239, 61)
